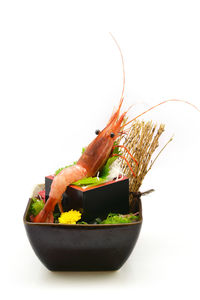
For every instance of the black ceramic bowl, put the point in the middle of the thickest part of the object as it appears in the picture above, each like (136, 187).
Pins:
(83, 247)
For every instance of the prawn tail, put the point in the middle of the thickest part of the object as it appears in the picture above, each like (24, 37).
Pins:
(44, 216)
(59, 185)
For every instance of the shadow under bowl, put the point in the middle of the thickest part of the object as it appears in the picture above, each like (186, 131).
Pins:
(83, 247)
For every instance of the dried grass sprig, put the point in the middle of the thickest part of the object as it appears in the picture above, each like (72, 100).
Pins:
(141, 141)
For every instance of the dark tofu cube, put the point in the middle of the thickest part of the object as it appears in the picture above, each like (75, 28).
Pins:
(97, 201)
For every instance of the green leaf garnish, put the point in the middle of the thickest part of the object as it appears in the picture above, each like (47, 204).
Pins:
(59, 170)
(91, 181)
(106, 169)
(36, 206)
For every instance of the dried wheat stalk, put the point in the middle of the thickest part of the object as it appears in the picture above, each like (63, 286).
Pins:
(141, 141)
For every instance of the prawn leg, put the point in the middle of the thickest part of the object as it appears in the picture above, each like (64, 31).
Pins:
(122, 146)
(60, 207)
(126, 162)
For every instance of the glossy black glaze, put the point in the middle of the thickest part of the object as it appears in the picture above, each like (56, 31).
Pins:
(83, 247)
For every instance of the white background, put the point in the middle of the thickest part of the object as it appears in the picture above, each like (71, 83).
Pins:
(60, 76)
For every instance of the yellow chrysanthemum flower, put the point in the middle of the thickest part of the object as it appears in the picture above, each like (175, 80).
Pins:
(70, 217)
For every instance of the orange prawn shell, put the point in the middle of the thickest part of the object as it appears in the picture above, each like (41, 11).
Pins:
(99, 150)
(96, 154)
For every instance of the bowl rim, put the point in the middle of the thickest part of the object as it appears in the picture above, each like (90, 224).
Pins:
(81, 225)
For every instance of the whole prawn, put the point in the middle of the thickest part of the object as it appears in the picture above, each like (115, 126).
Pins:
(94, 157)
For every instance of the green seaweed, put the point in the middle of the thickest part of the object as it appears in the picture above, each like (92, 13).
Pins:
(114, 219)
(36, 206)
(118, 219)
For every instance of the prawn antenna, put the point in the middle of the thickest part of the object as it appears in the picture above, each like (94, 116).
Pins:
(170, 100)
(122, 58)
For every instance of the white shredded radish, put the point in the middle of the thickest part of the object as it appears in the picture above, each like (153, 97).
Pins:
(84, 186)
(115, 170)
